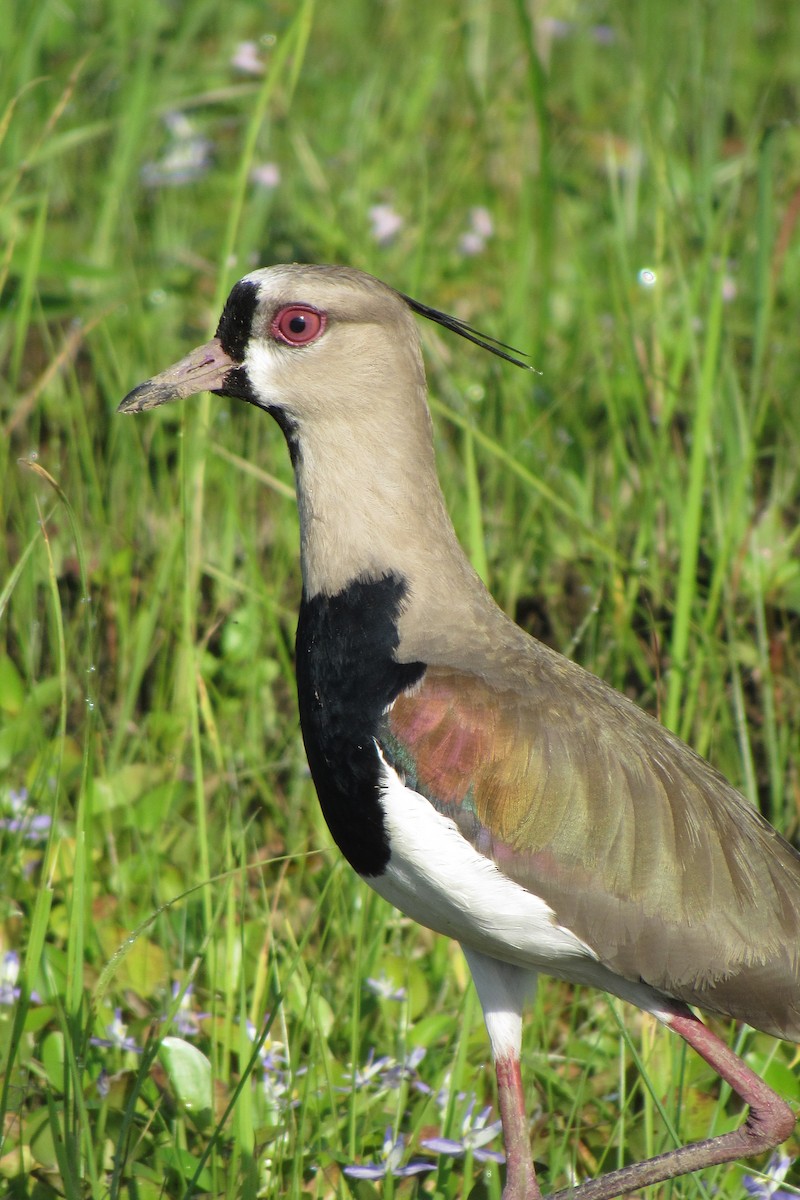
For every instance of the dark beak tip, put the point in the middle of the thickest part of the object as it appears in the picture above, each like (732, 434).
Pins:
(145, 396)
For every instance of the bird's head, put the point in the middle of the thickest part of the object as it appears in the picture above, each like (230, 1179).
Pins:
(334, 356)
(296, 341)
(303, 342)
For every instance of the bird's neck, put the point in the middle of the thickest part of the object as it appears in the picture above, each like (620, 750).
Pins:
(369, 510)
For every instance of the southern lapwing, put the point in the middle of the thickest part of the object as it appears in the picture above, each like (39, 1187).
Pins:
(482, 783)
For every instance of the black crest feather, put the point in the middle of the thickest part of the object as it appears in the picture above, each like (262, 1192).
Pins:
(484, 340)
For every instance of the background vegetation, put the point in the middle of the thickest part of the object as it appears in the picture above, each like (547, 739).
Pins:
(614, 187)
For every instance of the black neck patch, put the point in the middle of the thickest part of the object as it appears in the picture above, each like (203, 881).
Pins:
(236, 323)
(347, 676)
(237, 385)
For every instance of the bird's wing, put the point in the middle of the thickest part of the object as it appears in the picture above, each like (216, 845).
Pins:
(638, 845)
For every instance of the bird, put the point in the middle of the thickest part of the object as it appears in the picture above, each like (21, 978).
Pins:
(488, 787)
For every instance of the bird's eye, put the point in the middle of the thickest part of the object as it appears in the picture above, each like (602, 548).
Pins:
(297, 324)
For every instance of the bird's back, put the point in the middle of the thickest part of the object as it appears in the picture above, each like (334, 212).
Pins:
(639, 846)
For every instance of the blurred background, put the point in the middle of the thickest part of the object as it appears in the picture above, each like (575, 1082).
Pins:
(196, 996)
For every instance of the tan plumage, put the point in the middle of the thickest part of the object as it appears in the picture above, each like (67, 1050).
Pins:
(451, 751)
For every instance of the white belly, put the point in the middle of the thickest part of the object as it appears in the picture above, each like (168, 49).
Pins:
(436, 877)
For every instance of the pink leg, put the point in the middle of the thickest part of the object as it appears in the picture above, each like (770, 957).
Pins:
(502, 989)
(520, 1174)
(769, 1122)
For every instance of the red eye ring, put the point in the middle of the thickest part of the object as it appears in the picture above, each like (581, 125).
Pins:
(297, 324)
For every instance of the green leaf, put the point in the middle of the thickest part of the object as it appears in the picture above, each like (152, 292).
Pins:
(12, 693)
(189, 1074)
(53, 1059)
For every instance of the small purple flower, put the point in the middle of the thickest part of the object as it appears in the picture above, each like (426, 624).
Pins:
(481, 228)
(23, 818)
(117, 1038)
(275, 1080)
(406, 1072)
(555, 27)
(386, 223)
(187, 158)
(270, 1053)
(386, 1072)
(729, 289)
(603, 35)
(442, 1097)
(385, 989)
(372, 1072)
(245, 59)
(186, 1021)
(266, 175)
(475, 1133)
(481, 221)
(767, 1186)
(9, 974)
(391, 1156)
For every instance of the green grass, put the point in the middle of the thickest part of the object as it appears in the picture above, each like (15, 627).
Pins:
(637, 505)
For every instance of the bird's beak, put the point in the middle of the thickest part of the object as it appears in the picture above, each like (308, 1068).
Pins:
(204, 370)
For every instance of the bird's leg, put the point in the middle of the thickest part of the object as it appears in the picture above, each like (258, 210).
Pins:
(502, 990)
(769, 1121)
(521, 1183)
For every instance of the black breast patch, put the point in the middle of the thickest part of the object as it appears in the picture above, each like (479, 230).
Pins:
(346, 678)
